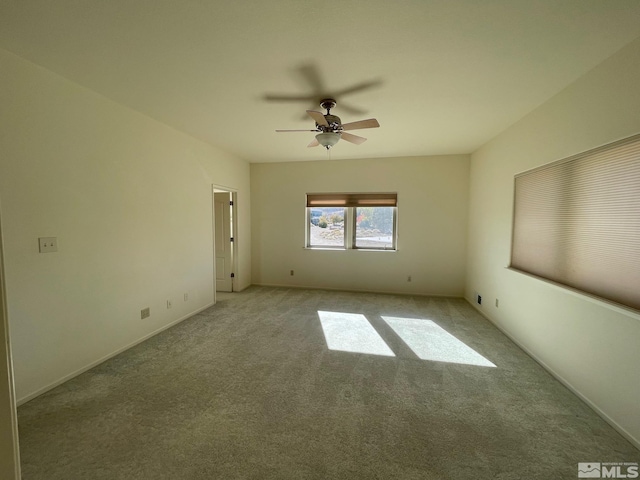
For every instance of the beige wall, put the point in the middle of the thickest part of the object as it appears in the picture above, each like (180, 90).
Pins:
(592, 346)
(130, 201)
(432, 216)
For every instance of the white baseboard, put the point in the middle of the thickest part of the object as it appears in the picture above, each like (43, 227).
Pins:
(355, 290)
(68, 377)
(619, 428)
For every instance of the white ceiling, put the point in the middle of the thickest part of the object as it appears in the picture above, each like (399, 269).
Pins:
(448, 75)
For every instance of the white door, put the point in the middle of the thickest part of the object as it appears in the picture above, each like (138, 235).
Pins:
(224, 251)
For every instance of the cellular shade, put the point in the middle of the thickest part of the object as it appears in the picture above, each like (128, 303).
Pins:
(352, 199)
(577, 222)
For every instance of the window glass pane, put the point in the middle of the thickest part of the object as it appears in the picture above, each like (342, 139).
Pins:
(374, 227)
(326, 226)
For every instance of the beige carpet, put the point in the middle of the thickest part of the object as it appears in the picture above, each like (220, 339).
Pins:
(249, 390)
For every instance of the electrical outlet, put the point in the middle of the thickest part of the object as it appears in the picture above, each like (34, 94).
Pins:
(291, 273)
(145, 313)
(409, 278)
(186, 297)
(169, 305)
(48, 244)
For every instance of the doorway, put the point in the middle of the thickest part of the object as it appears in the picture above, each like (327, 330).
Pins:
(225, 224)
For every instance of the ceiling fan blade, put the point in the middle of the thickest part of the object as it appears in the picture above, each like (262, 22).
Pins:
(318, 117)
(349, 137)
(345, 107)
(288, 98)
(311, 73)
(358, 87)
(314, 143)
(296, 130)
(369, 123)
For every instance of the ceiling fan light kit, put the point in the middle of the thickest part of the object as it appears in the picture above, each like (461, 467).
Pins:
(331, 129)
(328, 139)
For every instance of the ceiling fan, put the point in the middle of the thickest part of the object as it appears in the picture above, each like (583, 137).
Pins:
(330, 129)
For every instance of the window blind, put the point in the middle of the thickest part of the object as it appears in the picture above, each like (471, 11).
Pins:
(577, 222)
(352, 199)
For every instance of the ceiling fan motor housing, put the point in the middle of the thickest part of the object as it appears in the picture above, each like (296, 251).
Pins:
(334, 123)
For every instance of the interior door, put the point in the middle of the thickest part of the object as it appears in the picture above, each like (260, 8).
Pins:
(224, 250)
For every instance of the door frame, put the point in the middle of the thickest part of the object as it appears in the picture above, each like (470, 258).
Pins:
(217, 188)
(10, 460)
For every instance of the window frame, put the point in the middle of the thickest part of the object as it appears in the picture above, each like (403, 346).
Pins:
(323, 247)
(350, 202)
(393, 233)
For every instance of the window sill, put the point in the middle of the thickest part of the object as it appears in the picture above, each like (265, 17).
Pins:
(342, 249)
(603, 302)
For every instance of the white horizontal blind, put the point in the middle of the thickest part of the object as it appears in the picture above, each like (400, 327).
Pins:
(577, 222)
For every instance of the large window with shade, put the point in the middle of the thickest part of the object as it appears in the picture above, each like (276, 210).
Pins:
(577, 222)
(364, 221)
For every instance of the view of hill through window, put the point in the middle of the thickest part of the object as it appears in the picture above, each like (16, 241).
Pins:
(373, 227)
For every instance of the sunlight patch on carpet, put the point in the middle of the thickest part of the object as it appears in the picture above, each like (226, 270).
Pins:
(352, 332)
(429, 341)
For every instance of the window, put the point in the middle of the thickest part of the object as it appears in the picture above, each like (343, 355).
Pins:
(326, 227)
(374, 227)
(577, 222)
(364, 221)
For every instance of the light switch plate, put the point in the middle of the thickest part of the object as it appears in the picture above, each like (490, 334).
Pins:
(48, 244)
